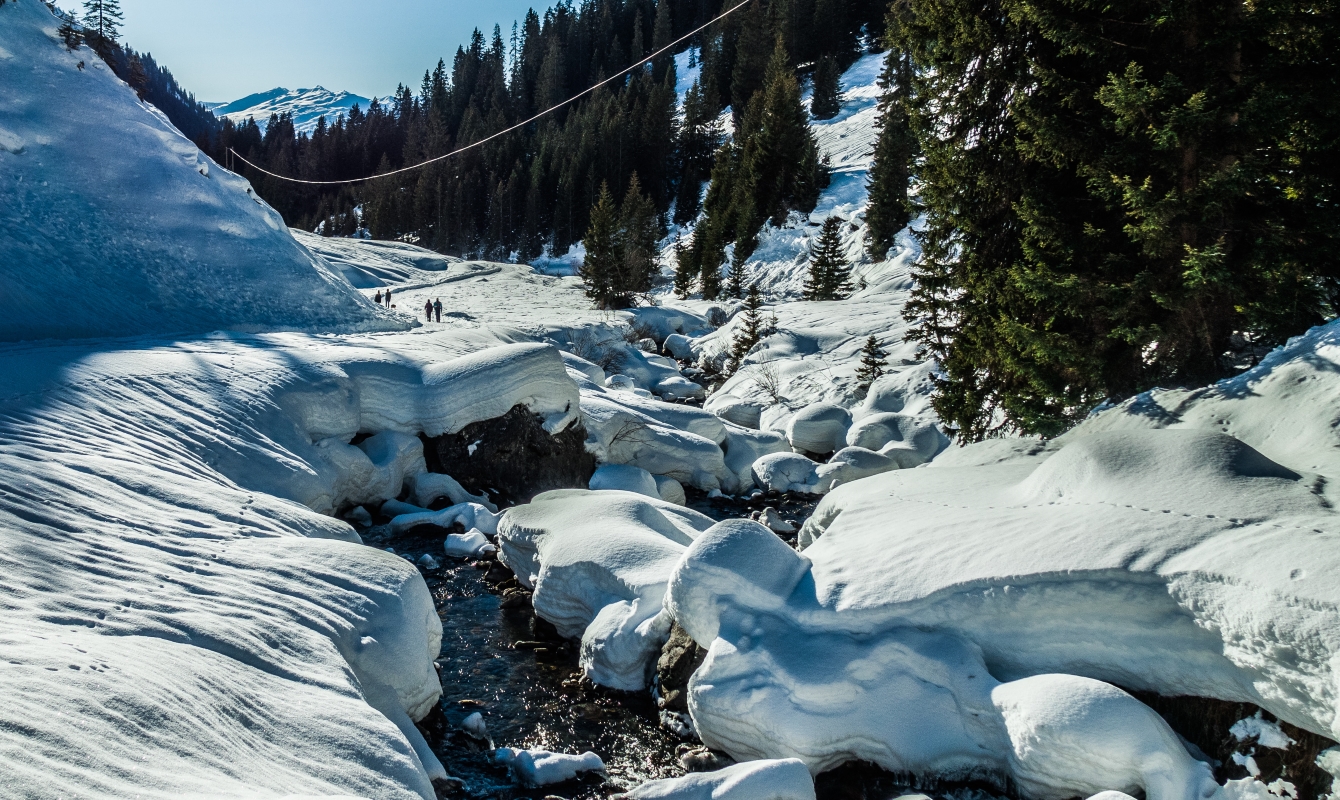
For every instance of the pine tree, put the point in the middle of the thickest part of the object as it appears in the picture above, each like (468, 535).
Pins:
(889, 209)
(751, 328)
(102, 19)
(830, 274)
(873, 361)
(662, 35)
(735, 278)
(601, 265)
(826, 101)
(70, 35)
(1103, 218)
(636, 243)
(686, 272)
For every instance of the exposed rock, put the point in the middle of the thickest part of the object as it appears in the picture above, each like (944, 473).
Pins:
(512, 458)
(679, 658)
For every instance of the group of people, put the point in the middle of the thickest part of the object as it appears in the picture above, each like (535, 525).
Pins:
(431, 308)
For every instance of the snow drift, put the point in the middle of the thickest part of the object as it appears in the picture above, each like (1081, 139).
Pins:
(115, 224)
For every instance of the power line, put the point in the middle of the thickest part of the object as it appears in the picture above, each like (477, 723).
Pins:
(518, 125)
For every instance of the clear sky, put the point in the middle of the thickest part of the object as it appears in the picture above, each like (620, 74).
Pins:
(224, 51)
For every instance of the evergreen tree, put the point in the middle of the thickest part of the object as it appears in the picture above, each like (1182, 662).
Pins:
(1112, 192)
(103, 19)
(889, 209)
(873, 361)
(636, 242)
(735, 278)
(69, 34)
(686, 272)
(826, 101)
(751, 328)
(830, 274)
(601, 266)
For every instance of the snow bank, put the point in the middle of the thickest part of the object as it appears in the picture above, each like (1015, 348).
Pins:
(620, 433)
(598, 563)
(175, 623)
(786, 472)
(782, 678)
(1177, 543)
(784, 779)
(115, 224)
(819, 428)
(369, 264)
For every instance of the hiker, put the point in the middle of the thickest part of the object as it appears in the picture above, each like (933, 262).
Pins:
(428, 310)
(437, 306)
(378, 297)
(388, 299)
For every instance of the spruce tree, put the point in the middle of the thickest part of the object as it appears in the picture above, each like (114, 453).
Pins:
(686, 272)
(830, 274)
(889, 208)
(735, 278)
(751, 328)
(1102, 217)
(873, 361)
(826, 100)
(602, 264)
(636, 242)
(102, 19)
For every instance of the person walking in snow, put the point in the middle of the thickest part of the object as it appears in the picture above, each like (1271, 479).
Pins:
(428, 310)
(388, 299)
(378, 297)
(437, 306)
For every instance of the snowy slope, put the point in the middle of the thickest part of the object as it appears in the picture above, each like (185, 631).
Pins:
(306, 106)
(115, 224)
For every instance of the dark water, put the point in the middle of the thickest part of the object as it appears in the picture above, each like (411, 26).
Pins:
(529, 698)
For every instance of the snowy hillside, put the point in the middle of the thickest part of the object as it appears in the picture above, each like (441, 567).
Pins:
(306, 106)
(115, 224)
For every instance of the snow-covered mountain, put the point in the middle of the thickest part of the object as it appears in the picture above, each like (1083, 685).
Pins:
(306, 106)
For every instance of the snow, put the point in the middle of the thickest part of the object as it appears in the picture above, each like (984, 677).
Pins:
(819, 428)
(429, 487)
(374, 264)
(781, 779)
(1176, 543)
(623, 477)
(541, 767)
(306, 106)
(783, 678)
(785, 472)
(116, 225)
(1072, 734)
(470, 544)
(598, 563)
(469, 515)
(1265, 732)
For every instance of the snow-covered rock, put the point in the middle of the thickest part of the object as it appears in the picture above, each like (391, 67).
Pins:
(918, 440)
(745, 446)
(598, 563)
(625, 478)
(782, 779)
(786, 472)
(679, 346)
(670, 490)
(467, 545)
(619, 433)
(431, 486)
(819, 428)
(853, 463)
(541, 767)
(469, 515)
(115, 224)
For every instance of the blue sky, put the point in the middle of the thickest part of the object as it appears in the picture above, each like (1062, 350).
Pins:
(223, 51)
